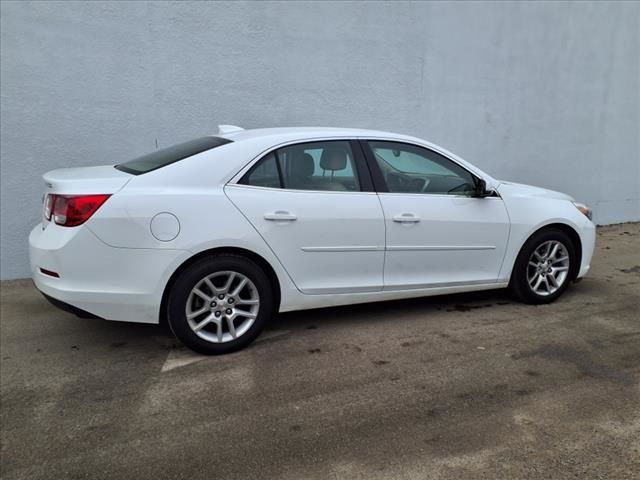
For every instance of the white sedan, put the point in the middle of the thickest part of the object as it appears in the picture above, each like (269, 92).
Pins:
(217, 234)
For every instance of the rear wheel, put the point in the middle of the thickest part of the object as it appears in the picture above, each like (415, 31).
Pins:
(544, 267)
(220, 304)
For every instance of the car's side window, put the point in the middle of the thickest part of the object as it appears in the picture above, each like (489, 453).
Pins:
(263, 174)
(411, 169)
(324, 166)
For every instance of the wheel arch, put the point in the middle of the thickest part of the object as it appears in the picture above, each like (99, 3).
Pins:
(571, 233)
(258, 259)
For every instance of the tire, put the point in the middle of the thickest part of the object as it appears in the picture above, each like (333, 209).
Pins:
(523, 277)
(193, 316)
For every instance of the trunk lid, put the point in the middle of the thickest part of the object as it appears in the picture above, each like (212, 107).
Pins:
(85, 180)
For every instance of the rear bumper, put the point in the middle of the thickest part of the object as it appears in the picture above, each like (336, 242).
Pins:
(120, 284)
(68, 308)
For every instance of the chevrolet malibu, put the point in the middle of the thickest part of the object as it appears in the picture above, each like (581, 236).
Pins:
(217, 234)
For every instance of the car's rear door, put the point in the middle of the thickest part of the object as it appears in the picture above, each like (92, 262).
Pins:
(438, 234)
(314, 205)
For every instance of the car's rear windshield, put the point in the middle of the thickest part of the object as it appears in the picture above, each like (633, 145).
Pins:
(166, 156)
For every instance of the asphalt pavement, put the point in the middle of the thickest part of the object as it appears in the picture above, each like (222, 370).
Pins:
(459, 387)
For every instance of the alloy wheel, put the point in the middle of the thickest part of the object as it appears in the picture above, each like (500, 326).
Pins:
(222, 306)
(548, 267)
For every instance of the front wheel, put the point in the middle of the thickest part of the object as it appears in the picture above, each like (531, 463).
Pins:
(544, 267)
(220, 304)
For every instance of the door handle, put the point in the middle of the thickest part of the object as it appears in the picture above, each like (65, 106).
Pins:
(280, 216)
(406, 218)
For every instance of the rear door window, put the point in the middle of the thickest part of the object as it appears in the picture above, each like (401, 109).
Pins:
(319, 166)
(264, 174)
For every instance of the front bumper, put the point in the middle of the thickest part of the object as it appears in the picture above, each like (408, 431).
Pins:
(120, 284)
(588, 239)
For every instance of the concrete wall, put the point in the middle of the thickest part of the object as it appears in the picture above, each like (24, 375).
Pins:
(541, 93)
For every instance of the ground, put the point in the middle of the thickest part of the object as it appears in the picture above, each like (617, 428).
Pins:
(462, 387)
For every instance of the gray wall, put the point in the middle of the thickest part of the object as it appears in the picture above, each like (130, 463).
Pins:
(541, 93)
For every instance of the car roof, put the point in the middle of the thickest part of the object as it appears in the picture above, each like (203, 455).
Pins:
(295, 133)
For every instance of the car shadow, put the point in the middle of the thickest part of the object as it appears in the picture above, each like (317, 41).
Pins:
(120, 334)
(386, 310)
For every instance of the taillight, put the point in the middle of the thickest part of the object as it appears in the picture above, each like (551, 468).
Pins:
(72, 210)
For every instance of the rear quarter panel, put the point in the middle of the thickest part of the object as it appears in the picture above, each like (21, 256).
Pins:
(192, 191)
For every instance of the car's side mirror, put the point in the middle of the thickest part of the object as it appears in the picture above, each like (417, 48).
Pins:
(481, 189)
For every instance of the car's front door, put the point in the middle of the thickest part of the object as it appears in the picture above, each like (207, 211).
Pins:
(313, 204)
(437, 233)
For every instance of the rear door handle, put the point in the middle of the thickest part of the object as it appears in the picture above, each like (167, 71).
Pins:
(406, 218)
(279, 216)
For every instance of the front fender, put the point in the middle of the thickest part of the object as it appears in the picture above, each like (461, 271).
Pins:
(530, 214)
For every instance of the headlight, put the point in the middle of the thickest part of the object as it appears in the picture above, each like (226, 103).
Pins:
(586, 211)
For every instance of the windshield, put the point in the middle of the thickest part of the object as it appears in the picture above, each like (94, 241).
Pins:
(166, 156)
